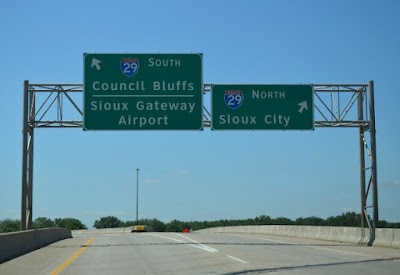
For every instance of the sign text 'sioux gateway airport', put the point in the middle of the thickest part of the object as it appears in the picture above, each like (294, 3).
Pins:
(143, 92)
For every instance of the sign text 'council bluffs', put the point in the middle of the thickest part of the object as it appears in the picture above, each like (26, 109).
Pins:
(143, 92)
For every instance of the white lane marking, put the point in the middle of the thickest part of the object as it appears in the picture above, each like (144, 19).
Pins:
(236, 259)
(165, 237)
(196, 245)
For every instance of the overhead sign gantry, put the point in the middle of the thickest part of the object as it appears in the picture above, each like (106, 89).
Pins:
(165, 92)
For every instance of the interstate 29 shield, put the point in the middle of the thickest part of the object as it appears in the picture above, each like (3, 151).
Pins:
(233, 98)
(129, 66)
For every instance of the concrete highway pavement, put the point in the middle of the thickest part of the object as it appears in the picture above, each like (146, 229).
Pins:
(202, 253)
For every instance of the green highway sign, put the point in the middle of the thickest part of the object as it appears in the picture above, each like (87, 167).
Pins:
(262, 107)
(143, 92)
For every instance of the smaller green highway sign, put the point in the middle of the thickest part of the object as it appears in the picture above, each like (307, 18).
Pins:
(143, 92)
(262, 107)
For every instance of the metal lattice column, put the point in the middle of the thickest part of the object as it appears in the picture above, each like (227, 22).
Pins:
(27, 158)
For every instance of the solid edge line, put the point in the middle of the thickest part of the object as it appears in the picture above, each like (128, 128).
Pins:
(73, 257)
(199, 245)
(236, 259)
(193, 244)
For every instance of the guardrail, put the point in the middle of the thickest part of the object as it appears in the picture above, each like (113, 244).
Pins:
(117, 230)
(15, 244)
(384, 236)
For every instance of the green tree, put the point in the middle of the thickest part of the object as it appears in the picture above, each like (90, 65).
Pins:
(346, 219)
(42, 222)
(9, 225)
(282, 221)
(69, 223)
(108, 222)
(262, 220)
(157, 225)
(314, 221)
(393, 224)
(175, 226)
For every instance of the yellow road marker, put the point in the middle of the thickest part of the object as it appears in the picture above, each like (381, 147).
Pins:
(73, 257)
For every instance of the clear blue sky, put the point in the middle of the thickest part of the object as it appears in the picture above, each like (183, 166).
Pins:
(202, 175)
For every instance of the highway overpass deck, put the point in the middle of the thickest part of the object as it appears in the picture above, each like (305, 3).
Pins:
(202, 253)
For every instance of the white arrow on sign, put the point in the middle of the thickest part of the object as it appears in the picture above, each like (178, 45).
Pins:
(303, 105)
(96, 63)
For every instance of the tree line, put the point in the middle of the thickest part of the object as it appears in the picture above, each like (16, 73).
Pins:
(10, 225)
(350, 219)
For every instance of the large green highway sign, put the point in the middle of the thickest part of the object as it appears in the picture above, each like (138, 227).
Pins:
(262, 107)
(143, 92)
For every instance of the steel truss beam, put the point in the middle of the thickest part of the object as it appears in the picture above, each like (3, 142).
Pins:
(335, 105)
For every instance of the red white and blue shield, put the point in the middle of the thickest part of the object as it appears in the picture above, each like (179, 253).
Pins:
(129, 66)
(233, 98)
